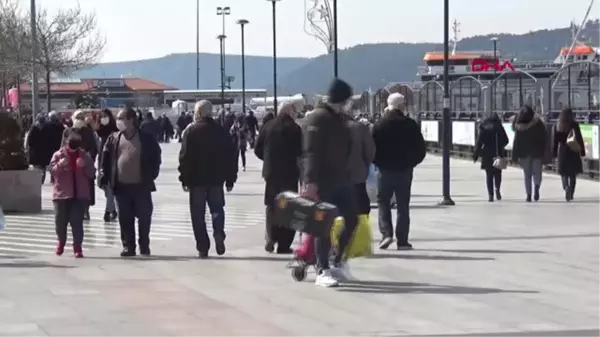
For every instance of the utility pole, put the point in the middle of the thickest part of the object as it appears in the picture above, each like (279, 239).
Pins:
(34, 52)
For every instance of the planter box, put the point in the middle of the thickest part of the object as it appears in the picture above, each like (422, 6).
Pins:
(21, 191)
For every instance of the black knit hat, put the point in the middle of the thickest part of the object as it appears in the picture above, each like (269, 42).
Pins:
(339, 91)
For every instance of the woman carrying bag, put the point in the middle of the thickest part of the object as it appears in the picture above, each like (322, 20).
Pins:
(491, 141)
(568, 148)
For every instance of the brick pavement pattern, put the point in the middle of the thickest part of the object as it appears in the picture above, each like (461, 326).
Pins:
(479, 268)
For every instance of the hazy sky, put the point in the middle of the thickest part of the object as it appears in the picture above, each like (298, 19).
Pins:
(138, 29)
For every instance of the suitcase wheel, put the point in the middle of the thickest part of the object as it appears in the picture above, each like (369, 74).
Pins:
(299, 273)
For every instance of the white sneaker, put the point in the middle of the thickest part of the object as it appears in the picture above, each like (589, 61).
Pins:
(342, 273)
(326, 280)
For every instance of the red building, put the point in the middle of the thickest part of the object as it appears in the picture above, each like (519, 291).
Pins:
(105, 92)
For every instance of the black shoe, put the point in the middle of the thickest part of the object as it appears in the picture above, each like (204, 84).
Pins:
(203, 255)
(86, 215)
(491, 198)
(128, 252)
(145, 251)
(385, 242)
(113, 216)
(405, 246)
(528, 198)
(220, 246)
(498, 195)
(284, 250)
(106, 217)
(269, 247)
(536, 193)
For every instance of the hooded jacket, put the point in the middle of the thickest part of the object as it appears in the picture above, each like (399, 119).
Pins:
(530, 138)
(363, 151)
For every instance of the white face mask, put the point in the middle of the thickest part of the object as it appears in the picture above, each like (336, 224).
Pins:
(78, 123)
(121, 125)
(104, 120)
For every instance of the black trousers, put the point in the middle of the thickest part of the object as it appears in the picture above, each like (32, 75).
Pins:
(69, 212)
(493, 179)
(362, 198)
(243, 156)
(282, 236)
(569, 182)
(134, 202)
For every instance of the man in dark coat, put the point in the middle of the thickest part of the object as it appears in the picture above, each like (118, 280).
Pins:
(207, 160)
(279, 146)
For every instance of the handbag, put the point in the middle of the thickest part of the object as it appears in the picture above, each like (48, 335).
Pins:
(572, 142)
(499, 162)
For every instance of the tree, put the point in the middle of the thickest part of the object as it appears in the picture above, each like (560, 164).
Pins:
(67, 42)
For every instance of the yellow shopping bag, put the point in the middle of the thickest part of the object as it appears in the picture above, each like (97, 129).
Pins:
(361, 242)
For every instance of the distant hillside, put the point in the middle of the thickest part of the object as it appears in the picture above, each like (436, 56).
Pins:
(365, 66)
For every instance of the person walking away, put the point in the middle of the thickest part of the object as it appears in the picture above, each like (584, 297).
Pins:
(399, 148)
(89, 144)
(151, 126)
(490, 144)
(361, 158)
(71, 169)
(108, 126)
(568, 148)
(529, 149)
(251, 126)
(238, 134)
(181, 125)
(52, 133)
(279, 146)
(38, 151)
(327, 145)
(207, 160)
(130, 164)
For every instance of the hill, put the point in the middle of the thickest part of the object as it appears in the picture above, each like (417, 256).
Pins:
(365, 66)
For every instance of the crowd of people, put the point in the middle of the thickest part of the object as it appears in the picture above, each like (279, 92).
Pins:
(328, 155)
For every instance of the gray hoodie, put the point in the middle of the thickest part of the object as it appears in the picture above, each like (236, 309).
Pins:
(363, 151)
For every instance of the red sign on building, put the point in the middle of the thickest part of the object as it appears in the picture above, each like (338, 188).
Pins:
(480, 65)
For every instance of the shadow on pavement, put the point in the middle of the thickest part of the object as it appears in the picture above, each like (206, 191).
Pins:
(256, 258)
(430, 257)
(483, 251)
(32, 264)
(507, 238)
(382, 287)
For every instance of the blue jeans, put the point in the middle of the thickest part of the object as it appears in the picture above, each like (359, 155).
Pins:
(344, 198)
(200, 196)
(110, 200)
(134, 202)
(398, 184)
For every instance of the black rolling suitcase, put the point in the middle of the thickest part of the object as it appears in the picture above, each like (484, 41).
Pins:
(304, 215)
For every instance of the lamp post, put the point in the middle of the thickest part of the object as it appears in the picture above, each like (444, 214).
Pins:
(335, 39)
(223, 12)
(222, 38)
(197, 44)
(34, 77)
(243, 23)
(493, 87)
(274, 3)
(447, 123)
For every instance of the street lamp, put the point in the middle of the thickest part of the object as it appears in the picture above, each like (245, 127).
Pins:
(335, 40)
(447, 123)
(243, 23)
(493, 87)
(274, 3)
(197, 44)
(223, 12)
(34, 77)
(222, 38)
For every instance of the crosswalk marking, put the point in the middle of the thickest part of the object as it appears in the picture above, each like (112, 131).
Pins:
(30, 234)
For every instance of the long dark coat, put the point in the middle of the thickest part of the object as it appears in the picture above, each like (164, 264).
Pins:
(491, 141)
(569, 161)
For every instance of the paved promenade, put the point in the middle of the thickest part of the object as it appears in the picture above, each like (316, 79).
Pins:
(505, 268)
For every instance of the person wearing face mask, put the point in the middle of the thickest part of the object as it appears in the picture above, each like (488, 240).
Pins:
(89, 143)
(130, 163)
(108, 126)
(327, 152)
(71, 168)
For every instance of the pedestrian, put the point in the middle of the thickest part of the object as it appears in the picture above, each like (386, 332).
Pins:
(490, 144)
(251, 126)
(130, 164)
(207, 161)
(327, 144)
(108, 126)
(71, 168)
(279, 146)
(529, 149)
(399, 148)
(239, 137)
(568, 148)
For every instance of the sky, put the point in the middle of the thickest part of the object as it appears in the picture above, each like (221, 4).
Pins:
(143, 29)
